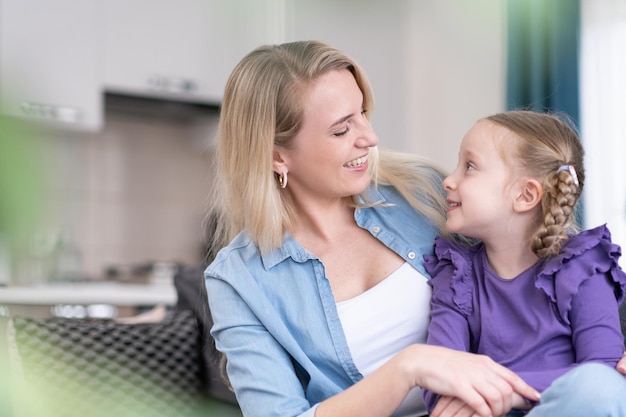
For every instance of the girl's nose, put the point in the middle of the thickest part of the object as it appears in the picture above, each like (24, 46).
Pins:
(448, 184)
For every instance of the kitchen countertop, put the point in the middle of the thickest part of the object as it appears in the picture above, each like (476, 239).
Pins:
(97, 292)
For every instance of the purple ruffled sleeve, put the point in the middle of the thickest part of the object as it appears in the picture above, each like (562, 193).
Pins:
(583, 256)
(585, 285)
(450, 269)
(451, 301)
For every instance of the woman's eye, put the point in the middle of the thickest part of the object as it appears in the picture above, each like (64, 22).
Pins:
(343, 132)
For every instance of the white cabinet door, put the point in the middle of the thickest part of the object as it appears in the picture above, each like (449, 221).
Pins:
(48, 62)
(181, 49)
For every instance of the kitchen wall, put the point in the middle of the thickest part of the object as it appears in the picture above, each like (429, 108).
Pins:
(135, 191)
(132, 193)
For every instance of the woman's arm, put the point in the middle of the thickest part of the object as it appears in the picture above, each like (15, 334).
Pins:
(478, 381)
(263, 374)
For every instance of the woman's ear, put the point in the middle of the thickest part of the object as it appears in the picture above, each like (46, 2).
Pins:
(529, 195)
(278, 162)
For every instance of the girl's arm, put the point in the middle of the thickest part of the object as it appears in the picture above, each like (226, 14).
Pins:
(596, 331)
(595, 324)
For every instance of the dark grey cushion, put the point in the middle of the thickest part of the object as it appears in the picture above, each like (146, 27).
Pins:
(622, 317)
(73, 367)
(191, 292)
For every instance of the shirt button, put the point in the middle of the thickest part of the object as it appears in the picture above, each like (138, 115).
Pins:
(376, 229)
(411, 255)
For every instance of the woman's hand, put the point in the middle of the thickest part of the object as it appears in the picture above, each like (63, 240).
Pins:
(476, 380)
(621, 365)
(451, 406)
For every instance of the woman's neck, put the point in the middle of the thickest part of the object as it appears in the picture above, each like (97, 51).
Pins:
(322, 221)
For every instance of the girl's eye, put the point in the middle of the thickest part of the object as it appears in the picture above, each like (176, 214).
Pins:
(469, 166)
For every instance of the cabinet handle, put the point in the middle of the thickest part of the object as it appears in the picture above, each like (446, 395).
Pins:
(49, 112)
(172, 84)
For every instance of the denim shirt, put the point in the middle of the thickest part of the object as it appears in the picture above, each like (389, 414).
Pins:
(275, 316)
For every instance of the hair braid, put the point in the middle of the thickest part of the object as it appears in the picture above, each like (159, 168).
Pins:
(559, 198)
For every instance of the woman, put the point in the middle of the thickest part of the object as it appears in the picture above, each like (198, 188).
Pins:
(321, 303)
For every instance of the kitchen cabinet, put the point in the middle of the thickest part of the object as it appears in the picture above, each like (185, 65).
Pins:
(182, 49)
(49, 68)
(58, 57)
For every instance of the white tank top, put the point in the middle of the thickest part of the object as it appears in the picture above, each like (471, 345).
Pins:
(385, 319)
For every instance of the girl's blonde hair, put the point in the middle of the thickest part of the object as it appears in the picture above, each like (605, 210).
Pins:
(547, 145)
(263, 107)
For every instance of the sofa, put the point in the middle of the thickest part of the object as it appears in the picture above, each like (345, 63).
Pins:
(62, 367)
(90, 368)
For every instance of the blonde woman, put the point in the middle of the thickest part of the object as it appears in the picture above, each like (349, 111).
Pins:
(320, 297)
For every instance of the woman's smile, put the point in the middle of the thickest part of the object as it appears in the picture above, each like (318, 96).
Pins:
(356, 163)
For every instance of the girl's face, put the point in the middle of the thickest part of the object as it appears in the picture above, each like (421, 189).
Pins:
(480, 189)
(328, 158)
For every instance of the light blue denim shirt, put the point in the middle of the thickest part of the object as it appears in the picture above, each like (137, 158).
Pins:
(275, 316)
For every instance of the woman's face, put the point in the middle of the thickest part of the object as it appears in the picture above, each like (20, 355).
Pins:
(328, 158)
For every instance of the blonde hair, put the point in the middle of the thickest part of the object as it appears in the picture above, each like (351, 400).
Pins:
(545, 144)
(263, 107)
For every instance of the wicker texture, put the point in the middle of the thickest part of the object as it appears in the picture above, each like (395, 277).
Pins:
(87, 368)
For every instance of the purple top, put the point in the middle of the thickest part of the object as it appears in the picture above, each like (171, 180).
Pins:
(560, 312)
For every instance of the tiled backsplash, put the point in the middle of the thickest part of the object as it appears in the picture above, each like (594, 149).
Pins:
(133, 193)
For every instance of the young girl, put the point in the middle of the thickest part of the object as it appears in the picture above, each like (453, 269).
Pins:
(530, 295)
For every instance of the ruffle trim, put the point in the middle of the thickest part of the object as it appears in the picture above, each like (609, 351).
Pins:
(458, 258)
(593, 253)
(590, 252)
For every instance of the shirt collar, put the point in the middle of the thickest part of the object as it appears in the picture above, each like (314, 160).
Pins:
(289, 249)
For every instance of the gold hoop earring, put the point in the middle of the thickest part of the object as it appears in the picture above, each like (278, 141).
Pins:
(282, 179)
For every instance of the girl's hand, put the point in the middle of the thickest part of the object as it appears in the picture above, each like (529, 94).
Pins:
(478, 381)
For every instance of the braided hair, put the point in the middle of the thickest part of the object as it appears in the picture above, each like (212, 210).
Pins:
(549, 149)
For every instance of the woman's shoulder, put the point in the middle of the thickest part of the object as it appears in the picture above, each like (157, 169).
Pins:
(243, 257)
(240, 253)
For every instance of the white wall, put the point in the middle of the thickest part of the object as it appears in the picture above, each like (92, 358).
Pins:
(603, 104)
(435, 65)
(456, 72)
(135, 191)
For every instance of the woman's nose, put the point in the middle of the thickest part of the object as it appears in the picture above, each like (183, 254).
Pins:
(367, 137)
(371, 139)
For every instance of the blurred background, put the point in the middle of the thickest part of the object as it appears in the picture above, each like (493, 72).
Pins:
(110, 109)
